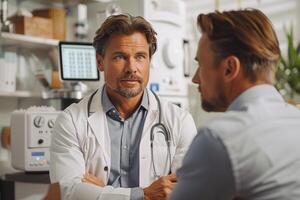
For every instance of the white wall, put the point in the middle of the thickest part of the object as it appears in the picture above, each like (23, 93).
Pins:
(282, 13)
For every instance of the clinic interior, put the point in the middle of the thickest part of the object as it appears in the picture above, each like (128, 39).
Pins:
(32, 58)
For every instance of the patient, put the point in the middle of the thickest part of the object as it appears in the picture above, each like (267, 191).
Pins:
(253, 150)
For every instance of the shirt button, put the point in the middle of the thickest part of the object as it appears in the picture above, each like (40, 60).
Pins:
(124, 173)
(125, 147)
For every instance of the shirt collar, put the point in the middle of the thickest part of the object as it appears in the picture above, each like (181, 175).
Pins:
(108, 106)
(106, 103)
(145, 100)
(254, 93)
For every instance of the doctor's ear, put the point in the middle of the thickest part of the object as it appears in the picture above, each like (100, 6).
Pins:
(232, 68)
(100, 62)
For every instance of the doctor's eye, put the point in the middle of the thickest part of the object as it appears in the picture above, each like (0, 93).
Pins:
(141, 57)
(119, 57)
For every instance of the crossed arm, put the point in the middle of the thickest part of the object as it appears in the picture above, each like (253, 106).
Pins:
(158, 190)
(68, 165)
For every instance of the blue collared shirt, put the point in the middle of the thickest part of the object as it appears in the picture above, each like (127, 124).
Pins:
(125, 135)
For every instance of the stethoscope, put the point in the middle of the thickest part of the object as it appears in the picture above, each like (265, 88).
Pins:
(159, 125)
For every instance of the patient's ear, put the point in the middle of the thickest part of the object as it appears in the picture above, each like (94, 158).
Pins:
(100, 62)
(231, 68)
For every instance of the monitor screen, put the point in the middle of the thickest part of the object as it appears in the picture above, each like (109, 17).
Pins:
(78, 62)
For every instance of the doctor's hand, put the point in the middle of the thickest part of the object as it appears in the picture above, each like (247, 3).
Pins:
(90, 178)
(161, 188)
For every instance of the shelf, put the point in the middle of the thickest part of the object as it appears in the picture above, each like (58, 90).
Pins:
(67, 2)
(21, 94)
(18, 40)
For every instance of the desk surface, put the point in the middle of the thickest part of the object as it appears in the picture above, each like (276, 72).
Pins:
(8, 180)
(27, 177)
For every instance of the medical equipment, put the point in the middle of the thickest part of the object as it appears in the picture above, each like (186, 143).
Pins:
(78, 62)
(159, 125)
(163, 131)
(77, 67)
(30, 138)
(81, 25)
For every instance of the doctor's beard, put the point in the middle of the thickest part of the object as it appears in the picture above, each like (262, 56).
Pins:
(130, 92)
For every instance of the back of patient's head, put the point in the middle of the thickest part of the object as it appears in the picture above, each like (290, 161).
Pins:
(247, 34)
(124, 24)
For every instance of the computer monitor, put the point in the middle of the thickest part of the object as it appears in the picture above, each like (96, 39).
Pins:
(78, 62)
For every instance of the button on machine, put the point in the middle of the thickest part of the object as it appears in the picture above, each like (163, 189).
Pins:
(40, 141)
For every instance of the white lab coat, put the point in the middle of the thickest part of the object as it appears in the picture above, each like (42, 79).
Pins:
(82, 144)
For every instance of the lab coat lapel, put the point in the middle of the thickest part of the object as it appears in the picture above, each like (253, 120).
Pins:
(152, 114)
(145, 159)
(98, 124)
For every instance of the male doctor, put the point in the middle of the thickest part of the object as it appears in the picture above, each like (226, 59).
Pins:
(101, 146)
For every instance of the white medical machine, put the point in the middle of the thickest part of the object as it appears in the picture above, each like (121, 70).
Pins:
(31, 131)
(169, 72)
(168, 75)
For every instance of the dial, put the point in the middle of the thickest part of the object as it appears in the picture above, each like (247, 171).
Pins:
(171, 53)
(39, 121)
(51, 123)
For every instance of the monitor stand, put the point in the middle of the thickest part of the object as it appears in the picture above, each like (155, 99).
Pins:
(71, 93)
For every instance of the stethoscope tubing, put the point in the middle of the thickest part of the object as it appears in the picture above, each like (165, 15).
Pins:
(158, 125)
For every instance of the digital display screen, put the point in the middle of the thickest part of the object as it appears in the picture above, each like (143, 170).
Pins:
(37, 153)
(78, 61)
